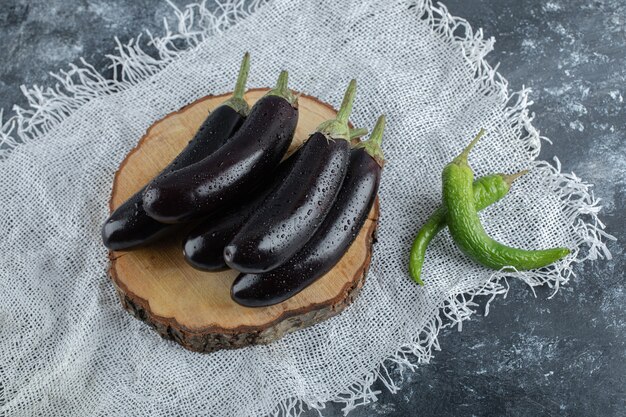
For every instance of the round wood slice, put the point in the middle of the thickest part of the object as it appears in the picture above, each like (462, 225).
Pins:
(192, 307)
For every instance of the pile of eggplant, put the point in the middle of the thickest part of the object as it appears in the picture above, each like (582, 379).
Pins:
(281, 223)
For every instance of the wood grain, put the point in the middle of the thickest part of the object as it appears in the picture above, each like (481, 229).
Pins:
(193, 307)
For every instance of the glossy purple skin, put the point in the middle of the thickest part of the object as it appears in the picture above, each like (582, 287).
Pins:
(293, 212)
(203, 247)
(233, 170)
(129, 226)
(326, 247)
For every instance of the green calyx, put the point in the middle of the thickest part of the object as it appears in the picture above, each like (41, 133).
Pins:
(373, 145)
(281, 89)
(338, 128)
(462, 158)
(237, 102)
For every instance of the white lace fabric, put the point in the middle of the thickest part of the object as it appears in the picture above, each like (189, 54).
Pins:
(67, 348)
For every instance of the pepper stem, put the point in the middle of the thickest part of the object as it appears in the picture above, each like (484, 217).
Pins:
(281, 89)
(509, 178)
(373, 145)
(462, 158)
(237, 102)
(338, 128)
(358, 132)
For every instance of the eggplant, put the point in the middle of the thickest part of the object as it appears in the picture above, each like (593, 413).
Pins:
(339, 229)
(129, 226)
(203, 247)
(235, 169)
(292, 213)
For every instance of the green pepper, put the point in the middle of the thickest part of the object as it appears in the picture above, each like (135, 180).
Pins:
(487, 190)
(469, 234)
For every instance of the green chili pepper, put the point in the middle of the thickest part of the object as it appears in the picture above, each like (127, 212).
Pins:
(487, 190)
(468, 232)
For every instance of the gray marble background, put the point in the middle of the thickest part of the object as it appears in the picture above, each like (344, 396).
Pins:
(530, 356)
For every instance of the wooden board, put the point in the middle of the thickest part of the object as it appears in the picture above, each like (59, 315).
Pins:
(192, 307)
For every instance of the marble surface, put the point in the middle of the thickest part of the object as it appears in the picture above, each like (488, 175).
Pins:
(530, 356)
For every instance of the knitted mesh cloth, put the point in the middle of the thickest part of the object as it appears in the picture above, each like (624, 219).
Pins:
(67, 348)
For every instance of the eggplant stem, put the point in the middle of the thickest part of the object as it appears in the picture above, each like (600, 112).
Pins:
(376, 138)
(237, 102)
(358, 132)
(338, 128)
(244, 70)
(283, 81)
(346, 104)
(282, 90)
(373, 145)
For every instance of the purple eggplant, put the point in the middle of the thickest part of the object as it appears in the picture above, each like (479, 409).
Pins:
(291, 214)
(129, 226)
(332, 239)
(204, 245)
(235, 169)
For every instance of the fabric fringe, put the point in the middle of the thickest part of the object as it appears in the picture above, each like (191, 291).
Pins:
(132, 64)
